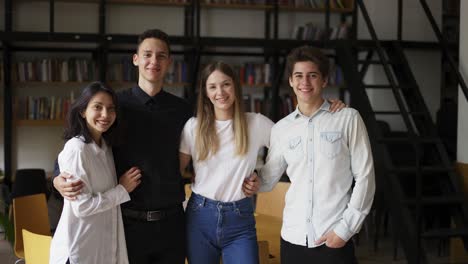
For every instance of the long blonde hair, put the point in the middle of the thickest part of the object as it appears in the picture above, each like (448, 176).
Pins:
(206, 138)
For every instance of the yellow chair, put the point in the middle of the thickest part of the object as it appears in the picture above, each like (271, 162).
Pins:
(30, 213)
(36, 248)
(269, 217)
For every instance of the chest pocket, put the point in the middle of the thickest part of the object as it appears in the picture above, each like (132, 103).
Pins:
(330, 143)
(294, 150)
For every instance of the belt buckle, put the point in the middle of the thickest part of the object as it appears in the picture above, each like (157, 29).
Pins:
(153, 216)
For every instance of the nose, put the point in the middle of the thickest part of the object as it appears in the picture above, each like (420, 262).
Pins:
(306, 80)
(104, 112)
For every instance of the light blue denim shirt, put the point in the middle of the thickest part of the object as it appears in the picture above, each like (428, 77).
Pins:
(322, 155)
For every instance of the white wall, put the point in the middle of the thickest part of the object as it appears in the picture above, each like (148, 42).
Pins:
(426, 65)
(462, 143)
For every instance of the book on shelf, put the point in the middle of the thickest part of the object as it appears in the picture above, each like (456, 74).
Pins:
(54, 70)
(238, 2)
(335, 4)
(125, 71)
(309, 31)
(254, 73)
(254, 103)
(41, 107)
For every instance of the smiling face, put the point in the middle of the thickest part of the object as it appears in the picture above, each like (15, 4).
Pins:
(100, 114)
(221, 92)
(153, 61)
(307, 82)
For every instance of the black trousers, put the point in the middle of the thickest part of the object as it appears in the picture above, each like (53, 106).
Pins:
(156, 242)
(295, 254)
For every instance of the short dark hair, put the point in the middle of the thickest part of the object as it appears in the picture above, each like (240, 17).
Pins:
(308, 53)
(157, 34)
(76, 125)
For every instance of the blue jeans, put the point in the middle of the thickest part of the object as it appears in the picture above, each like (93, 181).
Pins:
(216, 229)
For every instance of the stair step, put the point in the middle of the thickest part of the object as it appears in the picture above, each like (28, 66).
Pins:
(424, 169)
(398, 113)
(362, 61)
(433, 200)
(445, 233)
(384, 86)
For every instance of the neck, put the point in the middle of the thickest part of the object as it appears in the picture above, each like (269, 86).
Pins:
(308, 108)
(223, 115)
(97, 139)
(150, 88)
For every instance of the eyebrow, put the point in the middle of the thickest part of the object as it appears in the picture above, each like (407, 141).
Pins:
(296, 73)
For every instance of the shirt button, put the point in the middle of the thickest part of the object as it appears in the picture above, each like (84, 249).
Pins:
(310, 201)
(310, 140)
(310, 181)
(308, 220)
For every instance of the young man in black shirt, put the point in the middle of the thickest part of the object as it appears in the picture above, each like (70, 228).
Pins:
(152, 121)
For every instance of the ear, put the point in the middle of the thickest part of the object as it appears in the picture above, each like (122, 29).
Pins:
(135, 59)
(83, 115)
(290, 81)
(325, 82)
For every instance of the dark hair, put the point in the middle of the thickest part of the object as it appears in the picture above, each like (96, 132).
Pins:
(76, 125)
(308, 53)
(157, 34)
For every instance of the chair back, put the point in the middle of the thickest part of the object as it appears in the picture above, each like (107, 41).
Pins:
(36, 248)
(272, 203)
(29, 181)
(30, 213)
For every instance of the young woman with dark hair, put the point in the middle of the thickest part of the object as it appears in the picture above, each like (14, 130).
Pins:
(90, 229)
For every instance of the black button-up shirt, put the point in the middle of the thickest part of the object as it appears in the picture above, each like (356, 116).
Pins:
(151, 128)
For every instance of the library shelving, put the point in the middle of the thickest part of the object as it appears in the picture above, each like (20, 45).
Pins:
(38, 56)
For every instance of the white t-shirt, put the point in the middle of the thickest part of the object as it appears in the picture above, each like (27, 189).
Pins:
(220, 176)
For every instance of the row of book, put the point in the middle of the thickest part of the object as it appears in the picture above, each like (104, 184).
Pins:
(41, 108)
(55, 70)
(313, 3)
(125, 71)
(258, 104)
(239, 2)
(310, 31)
(82, 70)
(285, 3)
(254, 73)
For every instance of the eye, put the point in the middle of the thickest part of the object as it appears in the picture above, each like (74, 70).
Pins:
(162, 56)
(146, 55)
(97, 107)
(111, 109)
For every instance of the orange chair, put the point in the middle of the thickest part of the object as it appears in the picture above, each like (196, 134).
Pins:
(30, 213)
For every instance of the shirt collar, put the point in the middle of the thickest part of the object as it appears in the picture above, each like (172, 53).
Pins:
(144, 98)
(99, 150)
(297, 113)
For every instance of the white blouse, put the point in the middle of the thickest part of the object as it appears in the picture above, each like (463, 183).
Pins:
(220, 176)
(90, 229)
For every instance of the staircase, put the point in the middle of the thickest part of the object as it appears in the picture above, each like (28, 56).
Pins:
(416, 181)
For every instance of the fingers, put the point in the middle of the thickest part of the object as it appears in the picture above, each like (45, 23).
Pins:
(321, 240)
(251, 185)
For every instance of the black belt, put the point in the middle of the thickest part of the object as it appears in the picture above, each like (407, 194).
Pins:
(151, 215)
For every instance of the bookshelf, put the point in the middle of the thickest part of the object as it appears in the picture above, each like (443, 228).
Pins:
(238, 32)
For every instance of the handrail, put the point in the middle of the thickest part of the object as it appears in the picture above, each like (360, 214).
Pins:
(444, 47)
